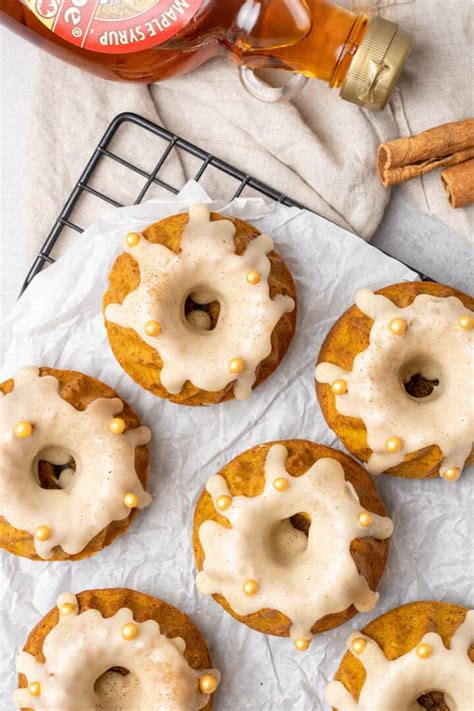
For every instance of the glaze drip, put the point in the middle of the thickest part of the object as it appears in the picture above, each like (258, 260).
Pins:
(395, 685)
(305, 578)
(89, 498)
(433, 345)
(81, 648)
(207, 269)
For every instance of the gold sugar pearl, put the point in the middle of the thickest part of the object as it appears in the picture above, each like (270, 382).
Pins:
(466, 323)
(152, 328)
(281, 484)
(34, 689)
(132, 239)
(22, 429)
(250, 587)
(452, 474)
(393, 444)
(358, 645)
(423, 651)
(208, 684)
(253, 277)
(67, 608)
(130, 500)
(236, 365)
(398, 326)
(365, 519)
(339, 387)
(117, 425)
(42, 533)
(130, 632)
(223, 502)
(301, 644)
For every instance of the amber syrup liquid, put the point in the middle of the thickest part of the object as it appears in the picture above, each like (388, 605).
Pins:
(319, 43)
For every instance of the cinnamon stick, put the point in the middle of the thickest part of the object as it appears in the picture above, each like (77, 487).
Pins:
(458, 182)
(410, 157)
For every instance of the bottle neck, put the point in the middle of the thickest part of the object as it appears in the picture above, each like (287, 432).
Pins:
(324, 51)
(350, 47)
(363, 56)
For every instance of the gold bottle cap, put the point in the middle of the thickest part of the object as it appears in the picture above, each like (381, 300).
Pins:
(377, 64)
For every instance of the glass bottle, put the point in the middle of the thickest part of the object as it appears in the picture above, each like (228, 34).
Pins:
(150, 40)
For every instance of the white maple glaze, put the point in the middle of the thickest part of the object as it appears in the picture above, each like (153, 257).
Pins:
(433, 345)
(83, 647)
(89, 498)
(208, 269)
(395, 685)
(306, 578)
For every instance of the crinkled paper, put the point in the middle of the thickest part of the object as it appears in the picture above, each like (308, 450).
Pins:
(58, 322)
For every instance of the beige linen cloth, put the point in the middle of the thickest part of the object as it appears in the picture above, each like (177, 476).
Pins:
(317, 148)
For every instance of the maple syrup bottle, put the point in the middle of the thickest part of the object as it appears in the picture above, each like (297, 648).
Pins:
(150, 40)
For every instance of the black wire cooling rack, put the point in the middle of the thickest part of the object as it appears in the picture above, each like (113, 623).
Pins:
(151, 177)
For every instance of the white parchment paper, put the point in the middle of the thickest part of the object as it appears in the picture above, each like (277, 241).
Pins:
(58, 322)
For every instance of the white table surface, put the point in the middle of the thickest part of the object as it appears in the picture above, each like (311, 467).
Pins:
(420, 241)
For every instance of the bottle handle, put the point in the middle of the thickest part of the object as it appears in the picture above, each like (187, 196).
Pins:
(259, 90)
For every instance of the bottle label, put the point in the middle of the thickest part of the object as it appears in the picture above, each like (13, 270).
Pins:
(115, 26)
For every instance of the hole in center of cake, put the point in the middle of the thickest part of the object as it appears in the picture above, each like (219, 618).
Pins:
(289, 538)
(118, 689)
(436, 701)
(422, 378)
(55, 468)
(202, 309)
